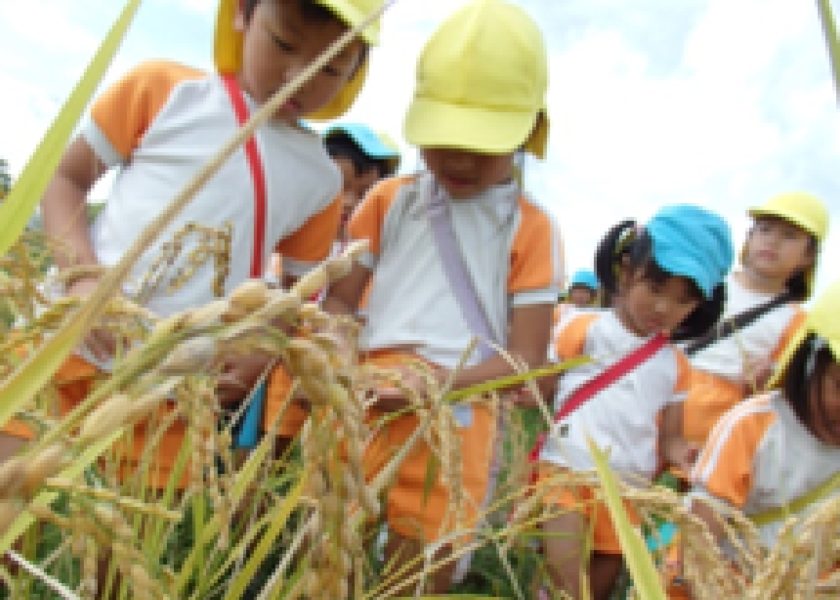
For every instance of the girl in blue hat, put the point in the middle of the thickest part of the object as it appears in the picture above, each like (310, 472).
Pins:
(666, 278)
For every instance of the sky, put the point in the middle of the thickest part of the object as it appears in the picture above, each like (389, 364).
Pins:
(722, 103)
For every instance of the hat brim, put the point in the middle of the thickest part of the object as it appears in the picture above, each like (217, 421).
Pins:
(435, 124)
(763, 212)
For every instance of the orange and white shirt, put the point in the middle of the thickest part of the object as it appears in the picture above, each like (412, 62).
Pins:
(765, 337)
(160, 124)
(623, 417)
(760, 456)
(718, 378)
(511, 248)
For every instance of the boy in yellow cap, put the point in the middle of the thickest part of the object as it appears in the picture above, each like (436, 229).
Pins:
(162, 122)
(479, 99)
(762, 312)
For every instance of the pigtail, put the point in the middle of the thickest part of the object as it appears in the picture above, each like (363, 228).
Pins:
(703, 318)
(808, 363)
(616, 244)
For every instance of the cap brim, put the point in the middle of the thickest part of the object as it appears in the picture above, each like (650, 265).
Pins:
(763, 212)
(434, 124)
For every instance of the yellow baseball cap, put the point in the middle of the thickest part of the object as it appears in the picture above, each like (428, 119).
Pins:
(227, 49)
(803, 210)
(821, 320)
(481, 83)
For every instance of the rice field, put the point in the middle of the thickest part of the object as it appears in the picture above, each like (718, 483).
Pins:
(230, 523)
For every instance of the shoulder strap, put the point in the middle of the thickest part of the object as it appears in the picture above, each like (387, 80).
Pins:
(798, 504)
(602, 380)
(729, 326)
(460, 281)
(255, 163)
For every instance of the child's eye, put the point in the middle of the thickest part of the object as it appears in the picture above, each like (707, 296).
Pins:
(331, 71)
(282, 44)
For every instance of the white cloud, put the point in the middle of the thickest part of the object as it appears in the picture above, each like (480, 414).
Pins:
(721, 102)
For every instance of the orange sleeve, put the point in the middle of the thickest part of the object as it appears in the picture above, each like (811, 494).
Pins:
(123, 113)
(683, 382)
(537, 259)
(796, 321)
(569, 342)
(313, 241)
(725, 466)
(369, 216)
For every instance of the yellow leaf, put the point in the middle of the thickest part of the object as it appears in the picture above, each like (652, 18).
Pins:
(639, 562)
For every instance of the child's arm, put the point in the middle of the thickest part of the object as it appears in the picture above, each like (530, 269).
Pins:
(675, 450)
(64, 205)
(64, 209)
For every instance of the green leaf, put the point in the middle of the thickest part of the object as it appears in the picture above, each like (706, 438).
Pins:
(639, 562)
(432, 468)
(832, 41)
(31, 376)
(279, 516)
(27, 191)
(516, 379)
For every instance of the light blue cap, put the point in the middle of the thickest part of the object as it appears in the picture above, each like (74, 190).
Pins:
(367, 140)
(693, 242)
(585, 278)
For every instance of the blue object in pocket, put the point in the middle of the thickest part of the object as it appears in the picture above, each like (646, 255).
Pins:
(247, 432)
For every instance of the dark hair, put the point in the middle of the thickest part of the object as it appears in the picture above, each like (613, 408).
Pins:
(797, 284)
(800, 375)
(342, 145)
(626, 244)
(311, 11)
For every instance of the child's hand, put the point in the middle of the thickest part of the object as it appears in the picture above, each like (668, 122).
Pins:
(680, 453)
(239, 375)
(757, 372)
(100, 342)
(414, 383)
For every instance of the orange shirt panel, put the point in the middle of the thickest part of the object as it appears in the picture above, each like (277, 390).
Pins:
(729, 454)
(368, 219)
(572, 338)
(532, 255)
(126, 109)
(313, 241)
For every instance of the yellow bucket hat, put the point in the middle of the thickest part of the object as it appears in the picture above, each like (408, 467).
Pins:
(481, 83)
(821, 320)
(803, 210)
(227, 50)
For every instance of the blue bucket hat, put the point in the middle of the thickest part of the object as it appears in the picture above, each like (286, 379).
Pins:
(692, 242)
(585, 278)
(367, 140)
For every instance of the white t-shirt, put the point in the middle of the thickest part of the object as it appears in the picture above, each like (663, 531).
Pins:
(761, 339)
(160, 124)
(621, 418)
(760, 456)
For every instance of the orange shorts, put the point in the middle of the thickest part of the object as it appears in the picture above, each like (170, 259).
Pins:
(74, 381)
(18, 429)
(582, 498)
(413, 510)
(709, 396)
(277, 399)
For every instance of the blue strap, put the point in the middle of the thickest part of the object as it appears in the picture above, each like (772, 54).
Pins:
(247, 432)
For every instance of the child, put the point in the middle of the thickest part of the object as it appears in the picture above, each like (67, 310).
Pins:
(583, 289)
(778, 263)
(778, 454)
(582, 294)
(479, 98)
(164, 121)
(667, 279)
(364, 158)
